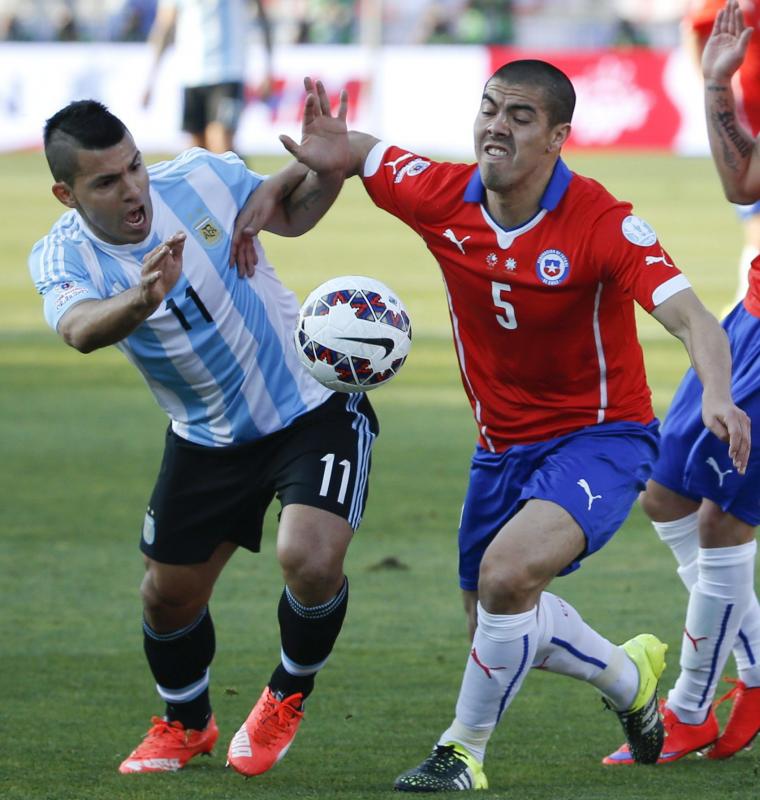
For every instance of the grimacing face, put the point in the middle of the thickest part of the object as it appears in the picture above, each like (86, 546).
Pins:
(111, 192)
(513, 138)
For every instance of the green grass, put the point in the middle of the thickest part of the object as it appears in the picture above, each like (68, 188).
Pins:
(81, 439)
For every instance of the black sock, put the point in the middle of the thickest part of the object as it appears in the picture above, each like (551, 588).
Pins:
(307, 634)
(179, 662)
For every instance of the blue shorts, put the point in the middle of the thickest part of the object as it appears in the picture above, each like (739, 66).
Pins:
(695, 463)
(746, 212)
(594, 473)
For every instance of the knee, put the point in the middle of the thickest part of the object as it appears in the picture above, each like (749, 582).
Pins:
(507, 589)
(166, 604)
(312, 577)
(653, 503)
(718, 528)
(663, 505)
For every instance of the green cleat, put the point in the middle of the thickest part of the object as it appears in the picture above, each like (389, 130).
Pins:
(642, 723)
(448, 768)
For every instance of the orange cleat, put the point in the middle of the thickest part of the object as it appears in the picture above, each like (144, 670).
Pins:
(264, 738)
(168, 746)
(743, 721)
(680, 739)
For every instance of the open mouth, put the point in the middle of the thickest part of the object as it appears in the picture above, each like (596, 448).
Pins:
(136, 217)
(495, 151)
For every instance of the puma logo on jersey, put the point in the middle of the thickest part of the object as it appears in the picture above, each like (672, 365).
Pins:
(711, 462)
(394, 164)
(451, 236)
(657, 260)
(583, 483)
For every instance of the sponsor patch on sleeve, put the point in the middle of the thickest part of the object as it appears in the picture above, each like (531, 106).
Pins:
(68, 291)
(638, 231)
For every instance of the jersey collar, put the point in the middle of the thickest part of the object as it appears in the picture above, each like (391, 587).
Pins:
(554, 192)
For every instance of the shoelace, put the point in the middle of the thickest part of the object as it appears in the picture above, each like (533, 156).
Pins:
(738, 686)
(276, 717)
(163, 729)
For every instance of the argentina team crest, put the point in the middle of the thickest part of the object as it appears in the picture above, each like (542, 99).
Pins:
(552, 267)
(209, 231)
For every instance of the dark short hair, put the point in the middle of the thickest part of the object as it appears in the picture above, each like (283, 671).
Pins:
(557, 89)
(81, 125)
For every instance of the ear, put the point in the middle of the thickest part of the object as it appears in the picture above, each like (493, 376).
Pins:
(63, 194)
(559, 136)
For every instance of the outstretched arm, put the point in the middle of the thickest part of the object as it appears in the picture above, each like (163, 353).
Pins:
(684, 316)
(293, 200)
(735, 151)
(93, 324)
(160, 37)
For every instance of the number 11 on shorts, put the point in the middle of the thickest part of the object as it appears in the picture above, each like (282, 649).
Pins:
(329, 460)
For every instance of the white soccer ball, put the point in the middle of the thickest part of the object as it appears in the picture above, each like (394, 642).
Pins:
(353, 333)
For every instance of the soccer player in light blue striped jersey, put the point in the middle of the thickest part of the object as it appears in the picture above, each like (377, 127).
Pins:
(142, 260)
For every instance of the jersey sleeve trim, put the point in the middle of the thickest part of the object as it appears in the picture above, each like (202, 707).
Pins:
(669, 288)
(374, 159)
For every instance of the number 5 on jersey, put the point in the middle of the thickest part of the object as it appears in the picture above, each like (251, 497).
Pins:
(329, 461)
(507, 319)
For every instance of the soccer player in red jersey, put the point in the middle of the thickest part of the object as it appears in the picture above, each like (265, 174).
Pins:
(700, 506)
(541, 268)
(698, 22)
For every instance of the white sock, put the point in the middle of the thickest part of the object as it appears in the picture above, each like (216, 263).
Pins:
(717, 605)
(501, 654)
(747, 646)
(569, 646)
(682, 537)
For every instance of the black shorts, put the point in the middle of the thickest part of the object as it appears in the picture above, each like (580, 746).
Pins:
(220, 102)
(206, 495)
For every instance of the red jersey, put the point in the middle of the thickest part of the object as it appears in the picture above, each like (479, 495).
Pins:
(752, 298)
(700, 17)
(543, 314)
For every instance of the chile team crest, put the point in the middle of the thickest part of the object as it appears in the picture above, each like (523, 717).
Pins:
(552, 267)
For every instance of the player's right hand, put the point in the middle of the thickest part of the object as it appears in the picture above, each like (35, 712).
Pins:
(725, 47)
(161, 269)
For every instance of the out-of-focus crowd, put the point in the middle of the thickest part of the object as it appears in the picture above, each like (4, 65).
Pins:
(529, 23)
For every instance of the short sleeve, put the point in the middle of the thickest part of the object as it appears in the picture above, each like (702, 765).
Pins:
(399, 181)
(627, 250)
(61, 278)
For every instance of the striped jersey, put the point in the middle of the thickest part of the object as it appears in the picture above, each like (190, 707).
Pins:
(218, 353)
(542, 314)
(211, 40)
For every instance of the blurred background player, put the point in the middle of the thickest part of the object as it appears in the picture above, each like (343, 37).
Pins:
(697, 24)
(700, 506)
(142, 261)
(211, 38)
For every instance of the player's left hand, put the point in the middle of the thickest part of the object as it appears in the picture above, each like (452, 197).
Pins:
(730, 424)
(324, 138)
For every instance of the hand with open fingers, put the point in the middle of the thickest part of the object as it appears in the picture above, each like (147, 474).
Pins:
(161, 269)
(324, 143)
(253, 218)
(730, 424)
(725, 48)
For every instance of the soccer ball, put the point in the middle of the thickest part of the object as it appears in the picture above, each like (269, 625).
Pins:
(353, 333)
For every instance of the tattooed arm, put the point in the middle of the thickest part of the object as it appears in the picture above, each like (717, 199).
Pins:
(735, 151)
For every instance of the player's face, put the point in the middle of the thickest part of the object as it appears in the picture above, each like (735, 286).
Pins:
(110, 191)
(513, 138)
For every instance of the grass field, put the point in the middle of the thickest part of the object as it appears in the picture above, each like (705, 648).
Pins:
(81, 438)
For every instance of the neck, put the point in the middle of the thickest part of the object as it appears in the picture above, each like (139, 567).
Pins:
(514, 205)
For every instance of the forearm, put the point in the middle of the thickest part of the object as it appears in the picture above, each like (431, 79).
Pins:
(93, 324)
(732, 146)
(710, 354)
(307, 203)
